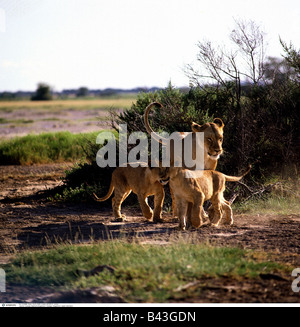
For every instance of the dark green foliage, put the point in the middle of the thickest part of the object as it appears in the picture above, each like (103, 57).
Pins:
(263, 129)
(43, 93)
(83, 180)
(180, 109)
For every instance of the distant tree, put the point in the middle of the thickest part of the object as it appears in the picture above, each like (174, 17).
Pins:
(82, 92)
(278, 70)
(225, 71)
(225, 68)
(43, 93)
(292, 56)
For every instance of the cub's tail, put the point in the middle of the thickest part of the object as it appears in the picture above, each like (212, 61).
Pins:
(237, 178)
(107, 196)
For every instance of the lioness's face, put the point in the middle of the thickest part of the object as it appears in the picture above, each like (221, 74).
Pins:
(213, 137)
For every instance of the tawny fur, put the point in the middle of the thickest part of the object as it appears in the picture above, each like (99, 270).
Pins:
(213, 139)
(143, 181)
(192, 188)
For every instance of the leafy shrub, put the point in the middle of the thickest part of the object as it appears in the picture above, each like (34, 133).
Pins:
(45, 148)
(180, 109)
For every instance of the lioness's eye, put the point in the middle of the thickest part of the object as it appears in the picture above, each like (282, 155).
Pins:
(220, 139)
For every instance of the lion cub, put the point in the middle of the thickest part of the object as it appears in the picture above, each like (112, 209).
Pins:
(143, 181)
(192, 188)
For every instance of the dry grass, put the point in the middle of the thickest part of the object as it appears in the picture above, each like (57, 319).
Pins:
(122, 102)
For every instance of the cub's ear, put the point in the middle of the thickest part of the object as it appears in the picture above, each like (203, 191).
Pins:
(219, 122)
(198, 128)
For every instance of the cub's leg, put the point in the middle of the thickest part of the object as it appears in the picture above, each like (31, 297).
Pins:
(228, 212)
(216, 203)
(189, 215)
(197, 210)
(147, 211)
(204, 215)
(159, 197)
(116, 204)
(181, 211)
(174, 208)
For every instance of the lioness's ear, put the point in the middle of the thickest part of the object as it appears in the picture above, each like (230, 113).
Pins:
(219, 122)
(198, 128)
(195, 127)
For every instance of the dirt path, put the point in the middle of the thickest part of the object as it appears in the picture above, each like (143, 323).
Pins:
(27, 221)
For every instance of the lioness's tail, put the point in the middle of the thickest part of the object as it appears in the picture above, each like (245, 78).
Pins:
(158, 138)
(237, 178)
(107, 196)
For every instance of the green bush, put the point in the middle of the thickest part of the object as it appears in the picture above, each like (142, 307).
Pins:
(180, 109)
(45, 148)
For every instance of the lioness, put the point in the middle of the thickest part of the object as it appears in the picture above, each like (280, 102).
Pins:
(143, 181)
(195, 187)
(213, 139)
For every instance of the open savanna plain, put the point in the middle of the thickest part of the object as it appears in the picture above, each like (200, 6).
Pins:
(59, 251)
(19, 118)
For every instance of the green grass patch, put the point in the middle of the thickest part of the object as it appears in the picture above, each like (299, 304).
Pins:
(283, 198)
(146, 273)
(280, 205)
(45, 148)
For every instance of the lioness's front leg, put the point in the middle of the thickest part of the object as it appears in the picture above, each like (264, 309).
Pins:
(159, 197)
(147, 211)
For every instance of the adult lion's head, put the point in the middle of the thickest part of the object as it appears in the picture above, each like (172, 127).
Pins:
(213, 137)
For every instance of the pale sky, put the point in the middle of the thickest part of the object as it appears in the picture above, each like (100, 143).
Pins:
(124, 43)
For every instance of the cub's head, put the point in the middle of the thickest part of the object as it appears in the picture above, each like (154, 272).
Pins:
(213, 137)
(164, 175)
(161, 174)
